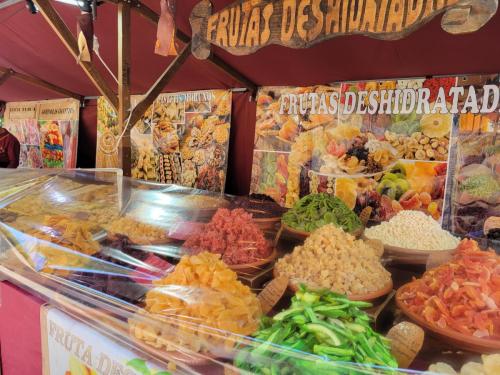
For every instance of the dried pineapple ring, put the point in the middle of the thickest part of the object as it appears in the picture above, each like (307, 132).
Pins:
(436, 125)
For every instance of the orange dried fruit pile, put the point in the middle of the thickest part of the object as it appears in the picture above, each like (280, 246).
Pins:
(199, 298)
(462, 295)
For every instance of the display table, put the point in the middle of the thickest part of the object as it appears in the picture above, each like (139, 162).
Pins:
(94, 256)
(19, 331)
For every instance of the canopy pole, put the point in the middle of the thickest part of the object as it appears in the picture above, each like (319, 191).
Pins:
(124, 84)
(63, 32)
(10, 73)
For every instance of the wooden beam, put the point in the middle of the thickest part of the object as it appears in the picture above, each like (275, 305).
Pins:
(124, 83)
(157, 88)
(153, 18)
(63, 32)
(5, 76)
(37, 82)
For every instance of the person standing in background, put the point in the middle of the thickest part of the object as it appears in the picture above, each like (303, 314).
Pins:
(9, 149)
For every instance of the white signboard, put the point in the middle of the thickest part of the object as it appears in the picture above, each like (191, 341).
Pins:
(73, 348)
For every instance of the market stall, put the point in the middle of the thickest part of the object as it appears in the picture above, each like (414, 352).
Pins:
(363, 237)
(185, 275)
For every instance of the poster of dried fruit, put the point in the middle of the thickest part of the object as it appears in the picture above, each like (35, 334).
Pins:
(182, 139)
(108, 154)
(474, 184)
(378, 144)
(52, 146)
(191, 138)
(47, 131)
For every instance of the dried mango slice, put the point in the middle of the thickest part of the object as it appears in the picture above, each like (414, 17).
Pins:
(345, 189)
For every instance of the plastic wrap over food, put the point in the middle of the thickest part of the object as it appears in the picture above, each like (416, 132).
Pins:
(178, 273)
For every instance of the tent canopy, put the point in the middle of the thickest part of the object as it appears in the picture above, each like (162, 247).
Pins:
(28, 45)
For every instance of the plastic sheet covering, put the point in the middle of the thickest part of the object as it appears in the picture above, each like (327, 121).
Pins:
(174, 272)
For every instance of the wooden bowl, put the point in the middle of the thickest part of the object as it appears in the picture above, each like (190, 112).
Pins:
(372, 296)
(255, 266)
(266, 223)
(400, 255)
(368, 297)
(294, 233)
(457, 339)
(302, 235)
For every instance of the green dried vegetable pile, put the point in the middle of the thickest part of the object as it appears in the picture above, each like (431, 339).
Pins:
(482, 186)
(323, 323)
(315, 210)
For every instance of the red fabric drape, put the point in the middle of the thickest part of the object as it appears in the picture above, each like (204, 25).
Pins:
(20, 335)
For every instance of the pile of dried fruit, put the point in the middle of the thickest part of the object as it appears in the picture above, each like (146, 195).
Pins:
(56, 244)
(469, 123)
(344, 150)
(315, 210)
(144, 165)
(198, 299)
(333, 259)
(462, 295)
(490, 366)
(136, 231)
(169, 168)
(233, 235)
(419, 146)
(412, 230)
(320, 322)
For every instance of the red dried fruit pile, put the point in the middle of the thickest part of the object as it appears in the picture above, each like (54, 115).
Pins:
(234, 235)
(462, 295)
(434, 84)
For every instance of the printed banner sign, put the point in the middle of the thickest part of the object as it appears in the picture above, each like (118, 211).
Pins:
(47, 131)
(21, 110)
(182, 139)
(426, 144)
(72, 348)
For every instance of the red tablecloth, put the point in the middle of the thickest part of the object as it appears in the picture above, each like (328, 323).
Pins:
(20, 339)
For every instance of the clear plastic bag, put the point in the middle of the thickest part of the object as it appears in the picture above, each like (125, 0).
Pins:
(175, 272)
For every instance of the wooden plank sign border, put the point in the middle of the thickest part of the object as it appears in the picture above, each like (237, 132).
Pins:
(245, 26)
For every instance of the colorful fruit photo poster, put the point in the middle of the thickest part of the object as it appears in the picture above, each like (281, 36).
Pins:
(284, 140)
(34, 157)
(47, 131)
(69, 131)
(58, 124)
(144, 155)
(474, 177)
(183, 139)
(108, 153)
(23, 157)
(20, 121)
(191, 138)
(381, 146)
(51, 144)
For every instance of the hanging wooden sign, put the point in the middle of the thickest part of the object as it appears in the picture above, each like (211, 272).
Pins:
(248, 25)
